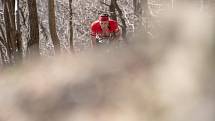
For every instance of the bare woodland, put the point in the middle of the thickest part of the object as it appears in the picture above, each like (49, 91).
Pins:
(164, 70)
(42, 28)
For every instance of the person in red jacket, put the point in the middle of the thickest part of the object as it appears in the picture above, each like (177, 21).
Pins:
(104, 27)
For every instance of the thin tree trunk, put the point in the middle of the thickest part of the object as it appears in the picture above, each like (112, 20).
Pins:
(112, 9)
(124, 27)
(52, 26)
(33, 44)
(138, 10)
(9, 45)
(3, 51)
(18, 31)
(2, 33)
(137, 7)
(11, 12)
(146, 14)
(71, 26)
(3, 47)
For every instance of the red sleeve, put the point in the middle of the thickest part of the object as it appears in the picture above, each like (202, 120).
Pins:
(114, 27)
(93, 30)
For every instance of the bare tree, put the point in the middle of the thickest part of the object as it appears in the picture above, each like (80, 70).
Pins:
(112, 9)
(10, 27)
(33, 43)
(121, 16)
(18, 31)
(52, 25)
(71, 25)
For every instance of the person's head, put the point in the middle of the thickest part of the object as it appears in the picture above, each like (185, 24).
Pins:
(104, 20)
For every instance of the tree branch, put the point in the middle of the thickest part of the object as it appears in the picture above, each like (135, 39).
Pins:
(2, 33)
(104, 3)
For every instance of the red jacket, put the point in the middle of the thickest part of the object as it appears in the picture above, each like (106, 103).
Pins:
(96, 28)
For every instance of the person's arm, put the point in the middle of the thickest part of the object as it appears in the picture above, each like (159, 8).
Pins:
(93, 41)
(116, 35)
(93, 37)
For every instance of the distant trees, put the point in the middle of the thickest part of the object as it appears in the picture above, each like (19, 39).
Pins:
(34, 27)
(19, 28)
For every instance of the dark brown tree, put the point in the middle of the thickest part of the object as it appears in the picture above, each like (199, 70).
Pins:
(121, 16)
(71, 26)
(18, 31)
(33, 43)
(52, 25)
(112, 9)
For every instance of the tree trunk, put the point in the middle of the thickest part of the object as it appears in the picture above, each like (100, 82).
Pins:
(112, 9)
(52, 26)
(11, 12)
(3, 51)
(124, 26)
(146, 15)
(18, 31)
(10, 29)
(137, 4)
(71, 26)
(137, 7)
(33, 43)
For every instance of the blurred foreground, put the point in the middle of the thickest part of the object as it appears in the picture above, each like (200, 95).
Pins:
(165, 79)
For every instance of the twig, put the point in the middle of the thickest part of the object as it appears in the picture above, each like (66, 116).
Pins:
(104, 3)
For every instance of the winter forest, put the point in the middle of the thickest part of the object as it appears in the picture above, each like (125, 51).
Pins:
(44, 27)
(37, 27)
(162, 70)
